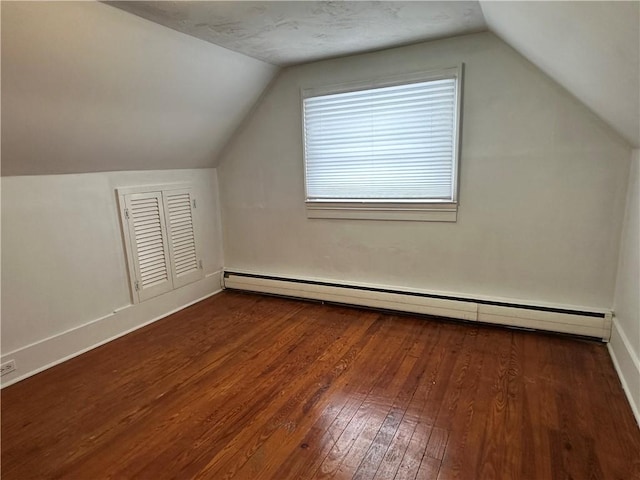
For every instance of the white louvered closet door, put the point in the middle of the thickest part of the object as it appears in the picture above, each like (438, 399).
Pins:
(185, 261)
(145, 218)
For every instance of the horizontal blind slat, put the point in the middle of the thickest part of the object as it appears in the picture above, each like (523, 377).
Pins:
(381, 143)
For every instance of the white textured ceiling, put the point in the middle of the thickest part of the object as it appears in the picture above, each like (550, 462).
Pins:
(285, 33)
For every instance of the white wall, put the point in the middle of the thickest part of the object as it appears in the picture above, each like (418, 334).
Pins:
(87, 87)
(64, 265)
(542, 188)
(90, 88)
(625, 338)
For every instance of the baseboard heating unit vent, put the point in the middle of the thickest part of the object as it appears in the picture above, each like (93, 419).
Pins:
(596, 324)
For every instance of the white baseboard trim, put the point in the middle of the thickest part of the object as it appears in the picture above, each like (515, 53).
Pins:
(557, 318)
(46, 353)
(627, 365)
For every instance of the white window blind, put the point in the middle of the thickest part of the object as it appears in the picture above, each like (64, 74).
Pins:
(394, 143)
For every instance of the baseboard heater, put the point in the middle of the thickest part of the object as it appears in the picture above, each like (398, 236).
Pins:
(595, 324)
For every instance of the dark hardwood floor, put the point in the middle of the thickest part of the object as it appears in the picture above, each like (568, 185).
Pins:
(251, 387)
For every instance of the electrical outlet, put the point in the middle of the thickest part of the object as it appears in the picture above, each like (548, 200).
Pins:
(8, 367)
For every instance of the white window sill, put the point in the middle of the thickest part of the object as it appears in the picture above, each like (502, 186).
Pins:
(417, 212)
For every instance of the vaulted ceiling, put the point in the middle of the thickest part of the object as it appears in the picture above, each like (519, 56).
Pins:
(287, 33)
(590, 48)
(87, 87)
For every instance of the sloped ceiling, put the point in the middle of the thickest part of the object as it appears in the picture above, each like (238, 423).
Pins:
(287, 33)
(590, 48)
(87, 88)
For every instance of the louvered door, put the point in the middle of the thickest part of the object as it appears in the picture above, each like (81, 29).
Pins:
(144, 215)
(185, 263)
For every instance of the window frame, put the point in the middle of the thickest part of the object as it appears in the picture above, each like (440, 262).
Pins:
(390, 209)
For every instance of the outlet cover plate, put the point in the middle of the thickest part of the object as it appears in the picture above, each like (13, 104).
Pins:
(7, 367)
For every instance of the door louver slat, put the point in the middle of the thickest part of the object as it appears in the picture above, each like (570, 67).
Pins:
(160, 238)
(179, 215)
(144, 222)
(148, 238)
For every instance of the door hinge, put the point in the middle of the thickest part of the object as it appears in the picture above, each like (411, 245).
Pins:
(137, 285)
(126, 213)
(200, 264)
(194, 203)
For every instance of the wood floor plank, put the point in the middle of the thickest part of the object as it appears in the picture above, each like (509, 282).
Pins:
(618, 452)
(330, 424)
(244, 386)
(429, 468)
(200, 412)
(456, 416)
(314, 401)
(377, 451)
(373, 444)
(108, 374)
(504, 426)
(535, 423)
(259, 389)
(302, 396)
(486, 353)
(369, 410)
(420, 405)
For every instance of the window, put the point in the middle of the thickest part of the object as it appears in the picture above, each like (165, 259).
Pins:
(160, 238)
(384, 150)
